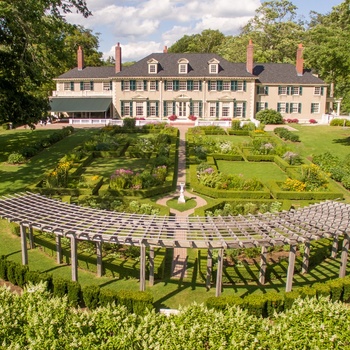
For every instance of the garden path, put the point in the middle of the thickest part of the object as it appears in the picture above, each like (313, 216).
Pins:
(179, 263)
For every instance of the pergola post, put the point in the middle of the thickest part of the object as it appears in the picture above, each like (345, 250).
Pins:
(74, 257)
(99, 259)
(263, 265)
(24, 245)
(335, 247)
(151, 266)
(344, 255)
(31, 237)
(58, 249)
(142, 267)
(219, 273)
(209, 268)
(290, 272)
(306, 258)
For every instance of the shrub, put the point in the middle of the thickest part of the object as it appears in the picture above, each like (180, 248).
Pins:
(255, 304)
(269, 116)
(236, 125)
(129, 123)
(222, 302)
(16, 158)
(339, 122)
(74, 292)
(275, 303)
(3, 268)
(192, 117)
(289, 298)
(336, 287)
(346, 182)
(107, 296)
(91, 296)
(142, 301)
(322, 289)
(172, 117)
(313, 121)
(125, 299)
(59, 287)
(21, 272)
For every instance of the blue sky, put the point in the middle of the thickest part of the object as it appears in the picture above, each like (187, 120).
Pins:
(146, 26)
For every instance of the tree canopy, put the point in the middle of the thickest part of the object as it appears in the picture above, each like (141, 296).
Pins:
(36, 45)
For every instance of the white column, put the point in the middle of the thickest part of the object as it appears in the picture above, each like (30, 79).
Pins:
(263, 265)
(58, 249)
(31, 237)
(24, 245)
(142, 268)
(219, 273)
(291, 264)
(335, 247)
(74, 257)
(306, 258)
(99, 259)
(344, 255)
(209, 267)
(151, 266)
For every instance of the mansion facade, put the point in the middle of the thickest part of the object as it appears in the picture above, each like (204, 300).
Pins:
(179, 85)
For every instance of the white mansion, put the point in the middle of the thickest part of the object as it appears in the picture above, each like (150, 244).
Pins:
(189, 84)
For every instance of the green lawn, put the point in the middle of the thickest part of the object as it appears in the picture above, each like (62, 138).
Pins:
(263, 171)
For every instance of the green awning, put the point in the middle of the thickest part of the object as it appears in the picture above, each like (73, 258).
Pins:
(80, 104)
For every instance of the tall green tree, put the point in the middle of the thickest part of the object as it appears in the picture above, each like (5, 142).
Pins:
(32, 34)
(328, 50)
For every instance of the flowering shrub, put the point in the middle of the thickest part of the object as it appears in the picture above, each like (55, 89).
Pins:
(289, 120)
(192, 117)
(313, 177)
(172, 117)
(292, 158)
(121, 179)
(59, 176)
(313, 121)
(159, 173)
(294, 185)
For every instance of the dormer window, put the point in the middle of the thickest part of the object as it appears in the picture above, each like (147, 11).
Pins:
(152, 66)
(213, 66)
(183, 66)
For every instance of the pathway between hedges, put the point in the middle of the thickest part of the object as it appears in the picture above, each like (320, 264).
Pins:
(179, 264)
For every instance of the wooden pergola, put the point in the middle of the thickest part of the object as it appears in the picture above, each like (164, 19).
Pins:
(329, 219)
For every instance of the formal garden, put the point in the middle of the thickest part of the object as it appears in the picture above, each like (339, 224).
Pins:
(239, 171)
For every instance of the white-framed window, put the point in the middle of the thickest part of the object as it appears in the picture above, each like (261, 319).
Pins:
(87, 85)
(127, 109)
(239, 110)
(183, 68)
(195, 85)
(139, 109)
(282, 90)
(282, 107)
(126, 85)
(107, 86)
(152, 68)
(294, 108)
(226, 85)
(182, 85)
(213, 85)
(262, 90)
(139, 85)
(169, 85)
(212, 109)
(295, 90)
(213, 68)
(315, 107)
(68, 86)
(169, 108)
(225, 109)
(152, 85)
(153, 109)
(261, 106)
(195, 108)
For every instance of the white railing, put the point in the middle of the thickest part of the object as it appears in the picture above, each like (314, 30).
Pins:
(84, 93)
(95, 121)
(222, 123)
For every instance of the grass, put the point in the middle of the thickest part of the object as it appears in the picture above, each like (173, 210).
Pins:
(174, 204)
(263, 171)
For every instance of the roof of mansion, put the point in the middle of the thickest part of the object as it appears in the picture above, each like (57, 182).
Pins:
(198, 66)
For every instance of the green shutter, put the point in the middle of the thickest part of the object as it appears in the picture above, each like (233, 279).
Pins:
(287, 107)
(299, 108)
(165, 85)
(209, 85)
(122, 85)
(189, 85)
(217, 110)
(91, 85)
(145, 85)
(235, 109)
(244, 85)
(278, 107)
(164, 109)
(111, 85)
(72, 86)
(266, 105)
(157, 85)
(233, 85)
(280, 90)
(244, 109)
(200, 109)
(288, 90)
(132, 85)
(122, 108)
(157, 108)
(257, 89)
(131, 111)
(148, 109)
(257, 107)
(219, 85)
(322, 90)
(312, 108)
(191, 108)
(175, 85)
(266, 90)
(300, 90)
(174, 108)
(81, 86)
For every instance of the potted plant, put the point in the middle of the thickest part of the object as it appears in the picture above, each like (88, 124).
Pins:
(172, 117)
(192, 117)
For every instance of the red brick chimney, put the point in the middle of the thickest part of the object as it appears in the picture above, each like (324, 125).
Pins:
(250, 54)
(300, 60)
(165, 49)
(118, 58)
(80, 58)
